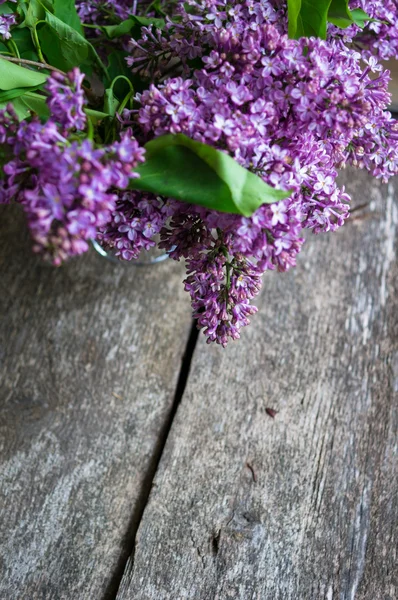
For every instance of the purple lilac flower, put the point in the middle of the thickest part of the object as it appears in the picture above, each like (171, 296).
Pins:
(380, 36)
(221, 287)
(68, 190)
(291, 111)
(98, 11)
(67, 99)
(6, 22)
(220, 281)
(135, 220)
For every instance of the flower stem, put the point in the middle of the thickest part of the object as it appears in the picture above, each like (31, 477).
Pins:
(125, 101)
(90, 129)
(228, 269)
(11, 45)
(36, 42)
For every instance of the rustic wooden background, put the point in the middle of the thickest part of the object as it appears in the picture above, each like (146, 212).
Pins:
(393, 67)
(138, 463)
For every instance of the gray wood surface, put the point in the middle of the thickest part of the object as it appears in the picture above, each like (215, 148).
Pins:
(90, 356)
(303, 506)
(392, 65)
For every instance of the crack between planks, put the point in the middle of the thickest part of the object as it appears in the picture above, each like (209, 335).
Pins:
(113, 587)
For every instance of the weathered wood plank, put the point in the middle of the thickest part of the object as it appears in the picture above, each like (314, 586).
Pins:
(392, 65)
(90, 357)
(303, 506)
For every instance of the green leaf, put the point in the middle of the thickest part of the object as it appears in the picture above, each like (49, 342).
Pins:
(126, 27)
(117, 65)
(341, 16)
(111, 103)
(66, 11)
(95, 116)
(63, 46)
(308, 18)
(28, 103)
(339, 13)
(294, 8)
(156, 6)
(9, 95)
(360, 17)
(23, 40)
(13, 76)
(179, 167)
(117, 68)
(6, 9)
(33, 11)
(30, 55)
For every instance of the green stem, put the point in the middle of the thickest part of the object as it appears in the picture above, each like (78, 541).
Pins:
(125, 100)
(121, 107)
(122, 77)
(36, 42)
(90, 129)
(11, 45)
(228, 282)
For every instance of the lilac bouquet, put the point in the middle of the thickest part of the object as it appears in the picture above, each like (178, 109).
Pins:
(217, 127)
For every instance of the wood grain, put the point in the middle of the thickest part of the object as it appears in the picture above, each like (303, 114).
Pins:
(90, 356)
(392, 65)
(303, 506)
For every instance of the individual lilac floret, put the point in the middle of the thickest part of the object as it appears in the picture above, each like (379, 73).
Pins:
(67, 99)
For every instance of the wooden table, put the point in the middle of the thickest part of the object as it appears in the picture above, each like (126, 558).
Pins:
(138, 463)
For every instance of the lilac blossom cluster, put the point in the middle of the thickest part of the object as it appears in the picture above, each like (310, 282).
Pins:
(292, 111)
(220, 280)
(66, 99)
(136, 219)
(380, 36)
(67, 187)
(99, 11)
